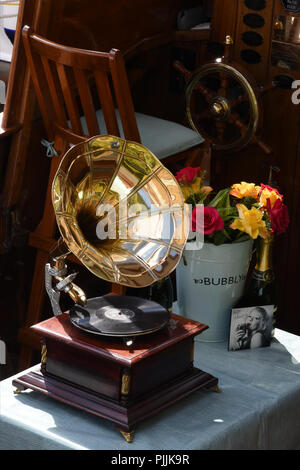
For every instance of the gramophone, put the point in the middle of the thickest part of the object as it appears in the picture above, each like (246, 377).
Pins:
(123, 358)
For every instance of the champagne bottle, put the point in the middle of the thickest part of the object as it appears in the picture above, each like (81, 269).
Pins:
(261, 289)
(160, 292)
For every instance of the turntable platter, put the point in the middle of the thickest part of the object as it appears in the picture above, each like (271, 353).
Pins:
(119, 316)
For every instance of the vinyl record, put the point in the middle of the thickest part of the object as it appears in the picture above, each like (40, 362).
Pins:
(119, 316)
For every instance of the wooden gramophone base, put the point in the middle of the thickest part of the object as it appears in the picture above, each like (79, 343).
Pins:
(125, 417)
(105, 378)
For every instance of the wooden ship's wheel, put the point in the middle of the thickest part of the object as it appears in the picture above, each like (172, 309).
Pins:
(223, 104)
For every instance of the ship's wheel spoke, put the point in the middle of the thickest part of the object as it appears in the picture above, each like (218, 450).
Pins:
(241, 99)
(236, 121)
(220, 131)
(208, 95)
(203, 115)
(224, 85)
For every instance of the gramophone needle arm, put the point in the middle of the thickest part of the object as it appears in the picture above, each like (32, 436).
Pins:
(54, 295)
(63, 284)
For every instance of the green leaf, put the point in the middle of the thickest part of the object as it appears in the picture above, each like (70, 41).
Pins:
(240, 237)
(227, 235)
(190, 200)
(202, 197)
(248, 201)
(228, 213)
(221, 199)
(220, 237)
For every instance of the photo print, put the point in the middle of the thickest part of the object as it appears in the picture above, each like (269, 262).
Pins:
(251, 327)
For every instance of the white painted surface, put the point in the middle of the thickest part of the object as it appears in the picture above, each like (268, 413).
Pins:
(8, 19)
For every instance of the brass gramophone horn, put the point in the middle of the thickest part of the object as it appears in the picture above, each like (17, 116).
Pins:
(119, 211)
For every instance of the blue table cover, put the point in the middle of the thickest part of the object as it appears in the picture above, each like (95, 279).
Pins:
(258, 408)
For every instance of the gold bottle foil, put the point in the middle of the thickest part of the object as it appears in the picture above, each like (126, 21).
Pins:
(264, 254)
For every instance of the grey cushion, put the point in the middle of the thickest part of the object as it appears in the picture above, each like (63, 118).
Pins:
(163, 138)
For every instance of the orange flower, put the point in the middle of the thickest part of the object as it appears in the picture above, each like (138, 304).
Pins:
(250, 221)
(205, 190)
(268, 193)
(245, 190)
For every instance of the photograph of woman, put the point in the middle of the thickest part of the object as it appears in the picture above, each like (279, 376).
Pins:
(251, 327)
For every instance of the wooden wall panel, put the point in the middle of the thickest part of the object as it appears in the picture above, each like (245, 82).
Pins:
(224, 19)
(258, 70)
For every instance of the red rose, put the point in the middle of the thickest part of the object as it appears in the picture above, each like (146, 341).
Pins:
(187, 175)
(279, 216)
(208, 221)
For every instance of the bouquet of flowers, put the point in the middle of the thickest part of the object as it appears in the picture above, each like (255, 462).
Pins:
(233, 214)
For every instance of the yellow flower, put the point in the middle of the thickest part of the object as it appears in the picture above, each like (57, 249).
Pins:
(251, 222)
(194, 188)
(196, 185)
(245, 190)
(270, 194)
(186, 191)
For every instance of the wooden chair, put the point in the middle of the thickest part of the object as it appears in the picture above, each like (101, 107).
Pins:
(83, 93)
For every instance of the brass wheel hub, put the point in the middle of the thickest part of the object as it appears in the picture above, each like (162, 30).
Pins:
(219, 108)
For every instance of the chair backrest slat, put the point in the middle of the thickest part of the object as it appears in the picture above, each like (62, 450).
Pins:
(123, 95)
(82, 80)
(63, 77)
(107, 102)
(70, 98)
(55, 91)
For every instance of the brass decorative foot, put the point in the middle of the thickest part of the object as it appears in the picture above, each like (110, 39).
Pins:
(215, 389)
(17, 391)
(128, 436)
